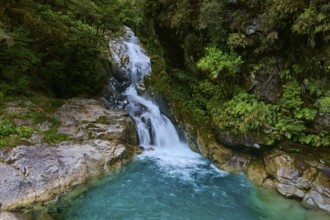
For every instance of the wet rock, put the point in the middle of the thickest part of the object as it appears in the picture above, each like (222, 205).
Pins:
(267, 84)
(320, 192)
(268, 183)
(249, 140)
(299, 177)
(257, 173)
(253, 27)
(284, 168)
(322, 123)
(289, 191)
(238, 163)
(221, 156)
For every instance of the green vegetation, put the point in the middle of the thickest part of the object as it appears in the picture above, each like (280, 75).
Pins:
(59, 48)
(218, 62)
(27, 118)
(6, 128)
(283, 43)
(210, 60)
(52, 137)
(24, 131)
(324, 103)
(11, 135)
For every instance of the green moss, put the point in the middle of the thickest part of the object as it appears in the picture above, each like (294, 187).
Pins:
(24, 131)
(102, 120)
(12, 141)
(39, 117)
(6, 128)
(53, 137)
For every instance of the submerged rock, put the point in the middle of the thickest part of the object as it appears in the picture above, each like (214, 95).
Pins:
(43, 172)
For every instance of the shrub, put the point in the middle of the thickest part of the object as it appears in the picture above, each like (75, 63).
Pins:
(324, 103)
(237, 40)
(39, 117)
(217, 62)
(24, 131)
(6, 128)
(243, 113)
(52, 137)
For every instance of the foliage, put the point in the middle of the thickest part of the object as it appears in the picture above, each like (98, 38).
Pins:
(24, 131)
(6, 128)
(52, 137)
(243, 113)
(237, 40)
(39, 117)
(55, 47)
(324, 103)
(218, 62)
(291, 99)
(288, 127)
(285, 38)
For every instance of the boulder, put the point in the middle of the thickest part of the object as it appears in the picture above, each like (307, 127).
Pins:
(88, 118)
(34, 174)
(319, 193)
(221, 156)
(322, 123)
(14, 216)
(267, 84)
(249, 140)
(300, 177)
(100, 141)
(257, 173)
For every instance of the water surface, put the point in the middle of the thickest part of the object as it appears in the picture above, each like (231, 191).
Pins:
(146, 189)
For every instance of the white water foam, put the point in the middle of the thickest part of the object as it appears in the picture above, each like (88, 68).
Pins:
(130, 56)
(156, 132)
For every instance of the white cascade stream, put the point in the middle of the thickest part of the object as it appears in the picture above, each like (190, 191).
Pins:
(156, 132)
(168, 180)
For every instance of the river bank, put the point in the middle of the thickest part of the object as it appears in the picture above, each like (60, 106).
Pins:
(98, 140)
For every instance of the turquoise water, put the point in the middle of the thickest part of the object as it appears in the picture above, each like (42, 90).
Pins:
(145, 189)
(171, 181)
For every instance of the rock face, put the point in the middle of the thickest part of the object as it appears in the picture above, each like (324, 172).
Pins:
(86, 118)
(249, 140)
(14, 216)
(322, 123)
(268, 84)
(221, 156)
(294, 176)
(42, 172)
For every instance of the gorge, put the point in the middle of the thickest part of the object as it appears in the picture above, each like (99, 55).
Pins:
(168, 180)
(221, 110)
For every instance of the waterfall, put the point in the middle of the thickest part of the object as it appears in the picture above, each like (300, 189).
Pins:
(168, 180)
(156, 132)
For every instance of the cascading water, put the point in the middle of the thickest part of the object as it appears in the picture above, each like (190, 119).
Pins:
(168, 180)
(155, 130)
